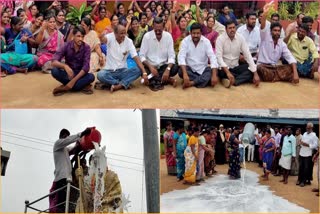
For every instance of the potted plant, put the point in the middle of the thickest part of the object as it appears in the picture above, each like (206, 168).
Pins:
(75, 15)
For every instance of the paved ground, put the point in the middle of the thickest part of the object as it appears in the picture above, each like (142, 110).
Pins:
(34, 90)
(301, 196)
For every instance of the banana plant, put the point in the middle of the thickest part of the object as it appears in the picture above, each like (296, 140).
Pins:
(75, 15)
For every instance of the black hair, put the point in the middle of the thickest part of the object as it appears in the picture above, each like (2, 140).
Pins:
(168, 123)
(118, 6)
(225, 5)
(40, 14)
(195, 129)
(229, 22)
(15, 20)
(307, 19)
(64, 132)
(195, 26)
(87, 21)
(32, 6)
(3, 12)
(275, 24)
(260, 12)
(236, 128)
(77, 29)
(304, 26)
(211, 17)
(102, 8)
(267, 131)
(250, 14)
(142, 14)
(275, 15)
(134, 18)
(179, 19)
(19, 11)
(113, 16)
(158, 20)
(63, 11)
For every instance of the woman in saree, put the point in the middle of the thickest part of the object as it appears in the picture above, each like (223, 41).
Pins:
(135, 33)
(97, 58)
(149, 17)
(269, 147)
(191, 155)
(36, 25)
(63, 26)
(179, 30)
(234, 161)
(50, 40)
(102, 21)
(207, 30)
(17, 59)
(168, 148)
(21, 13)
(179, 145)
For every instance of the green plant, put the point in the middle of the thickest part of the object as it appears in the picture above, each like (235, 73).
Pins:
(162, 149)
(283, 11)
(312, 9)
(75, 15)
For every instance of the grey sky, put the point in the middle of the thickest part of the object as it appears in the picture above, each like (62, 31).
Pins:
(29, 172)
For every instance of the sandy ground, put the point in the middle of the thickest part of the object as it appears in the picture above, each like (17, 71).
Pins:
(301, 196)
(34, 90)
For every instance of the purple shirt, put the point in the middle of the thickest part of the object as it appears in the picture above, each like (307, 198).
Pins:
(77, 61)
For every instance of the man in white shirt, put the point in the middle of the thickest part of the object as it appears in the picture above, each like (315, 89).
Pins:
(228, 47)
(193, 58)
(309, 141)
(116, 75)
(251, 33)
(62, 163)
(157, 55)
(276, 18)
(277, 139)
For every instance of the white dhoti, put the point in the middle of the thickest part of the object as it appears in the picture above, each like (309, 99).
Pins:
(285, 161)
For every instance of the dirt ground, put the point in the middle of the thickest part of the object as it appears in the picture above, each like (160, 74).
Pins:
(301, 196)
(34, 90)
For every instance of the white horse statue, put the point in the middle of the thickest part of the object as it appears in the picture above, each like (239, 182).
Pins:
(101, 190)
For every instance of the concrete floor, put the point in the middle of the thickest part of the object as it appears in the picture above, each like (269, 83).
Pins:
(34, 90)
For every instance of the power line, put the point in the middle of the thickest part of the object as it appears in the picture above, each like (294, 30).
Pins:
(125, 161)
(124, 156)
(28, 140)
(125, 167)
(29, 147)
(27, 136)
(38, 139)
(51, 152)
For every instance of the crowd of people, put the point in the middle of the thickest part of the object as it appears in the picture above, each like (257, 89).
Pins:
(192, 153)
(154, 41)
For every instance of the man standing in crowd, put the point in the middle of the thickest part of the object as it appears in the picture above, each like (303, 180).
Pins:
(228, 47)
(193, 60)
(73, 74)
(309, 141)
(272, 48)
(288, 153)
(304, 51)
(157, 55)
(277, 140)
(116, 75)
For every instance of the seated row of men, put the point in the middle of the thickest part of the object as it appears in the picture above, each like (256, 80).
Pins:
(198, 66)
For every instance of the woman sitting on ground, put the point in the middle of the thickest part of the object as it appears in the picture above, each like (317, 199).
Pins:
(19, 40)
(36, 25)
(21, 13)
(49, 40)
(97, 58)
(101, 20)
(63, 26)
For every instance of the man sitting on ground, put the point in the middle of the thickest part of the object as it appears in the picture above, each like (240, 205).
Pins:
(193, 60)
(229, 46)
(157, 55)
(73, 74)
(304, 51)
(116, 75)
(272, 48)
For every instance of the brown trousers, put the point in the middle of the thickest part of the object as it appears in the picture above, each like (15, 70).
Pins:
(275, 73)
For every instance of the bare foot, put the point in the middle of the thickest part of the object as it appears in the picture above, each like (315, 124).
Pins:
(115, 87)
(173, 82)
(22, 70)
(265, 179)
(187, 85)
